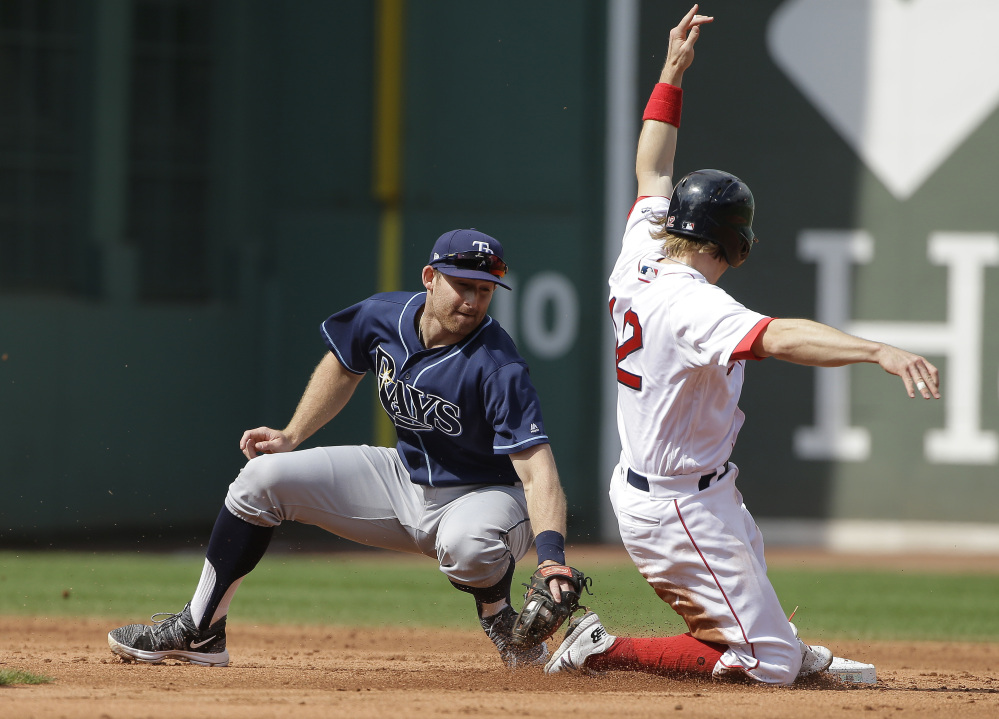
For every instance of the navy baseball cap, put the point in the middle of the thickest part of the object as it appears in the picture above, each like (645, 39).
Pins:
(470, 254)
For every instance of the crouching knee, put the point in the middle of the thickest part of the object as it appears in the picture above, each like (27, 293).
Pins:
(255, 493)
(472, 564)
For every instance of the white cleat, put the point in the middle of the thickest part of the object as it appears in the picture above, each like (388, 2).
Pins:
(814, 658)
(586, 636)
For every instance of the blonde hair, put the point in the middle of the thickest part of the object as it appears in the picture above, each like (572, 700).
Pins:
(674, 245)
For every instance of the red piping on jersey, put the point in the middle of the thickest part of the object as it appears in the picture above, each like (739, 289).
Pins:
(707, 566)
(744, 350)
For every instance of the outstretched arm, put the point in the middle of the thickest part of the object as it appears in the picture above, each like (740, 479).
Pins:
(818, 345)
(546, 505)
(326, 394)
(657, 142)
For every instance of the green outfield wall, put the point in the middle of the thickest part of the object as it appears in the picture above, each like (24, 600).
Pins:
(188, 188)
(873, 217)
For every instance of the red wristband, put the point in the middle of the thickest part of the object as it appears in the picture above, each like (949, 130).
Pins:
(665, 104)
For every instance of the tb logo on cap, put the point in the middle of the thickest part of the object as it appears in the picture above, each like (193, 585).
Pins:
(482, 246)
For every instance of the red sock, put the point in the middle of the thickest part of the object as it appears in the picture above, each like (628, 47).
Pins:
(659, 655)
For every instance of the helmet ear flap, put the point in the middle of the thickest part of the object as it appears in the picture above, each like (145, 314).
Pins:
(740, 247)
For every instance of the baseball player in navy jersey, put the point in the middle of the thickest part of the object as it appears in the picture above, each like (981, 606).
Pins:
(682, 347)
(470, 482)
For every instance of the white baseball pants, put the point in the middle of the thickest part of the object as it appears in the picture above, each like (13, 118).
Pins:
(702, 553)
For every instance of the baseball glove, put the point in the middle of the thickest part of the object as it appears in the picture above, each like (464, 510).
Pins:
(542, 615)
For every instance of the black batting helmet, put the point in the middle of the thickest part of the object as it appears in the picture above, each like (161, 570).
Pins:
(714, 206)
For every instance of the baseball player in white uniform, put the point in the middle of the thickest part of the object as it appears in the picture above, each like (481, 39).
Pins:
(682, 347)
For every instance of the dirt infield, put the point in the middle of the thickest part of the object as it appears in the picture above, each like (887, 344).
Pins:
(320, 672)
(332, 671)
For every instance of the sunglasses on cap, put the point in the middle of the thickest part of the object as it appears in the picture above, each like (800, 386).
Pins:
(479, 261)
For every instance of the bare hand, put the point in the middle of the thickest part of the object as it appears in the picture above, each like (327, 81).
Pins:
(917, 374)
(556, 585)
(681, 45)
(264, 440)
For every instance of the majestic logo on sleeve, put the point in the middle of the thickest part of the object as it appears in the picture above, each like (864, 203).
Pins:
(412, 408)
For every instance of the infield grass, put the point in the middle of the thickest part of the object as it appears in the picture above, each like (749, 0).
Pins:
(9, 677)
(381, 589)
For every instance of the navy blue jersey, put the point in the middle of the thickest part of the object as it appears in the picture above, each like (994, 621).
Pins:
(458, 410)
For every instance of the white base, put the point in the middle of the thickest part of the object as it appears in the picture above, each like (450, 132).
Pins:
(848, 670)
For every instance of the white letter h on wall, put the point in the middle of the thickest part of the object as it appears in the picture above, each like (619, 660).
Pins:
(959, 339)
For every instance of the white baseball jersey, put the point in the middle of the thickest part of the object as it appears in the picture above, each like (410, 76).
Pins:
(681, 350)
(677, 409)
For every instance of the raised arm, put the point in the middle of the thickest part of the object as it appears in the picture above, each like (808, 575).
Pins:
(815, 344)
(657, 142)
(329, 389)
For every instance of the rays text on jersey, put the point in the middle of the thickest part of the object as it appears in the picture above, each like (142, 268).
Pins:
(412, 408)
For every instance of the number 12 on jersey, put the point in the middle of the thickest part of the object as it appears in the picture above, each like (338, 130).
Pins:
(632, 344)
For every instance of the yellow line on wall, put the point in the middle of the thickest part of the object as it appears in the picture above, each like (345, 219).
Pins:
(388, 100)
(387, 170)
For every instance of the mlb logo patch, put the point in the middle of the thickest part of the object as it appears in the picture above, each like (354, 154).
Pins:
(688, 226)
(648, 271)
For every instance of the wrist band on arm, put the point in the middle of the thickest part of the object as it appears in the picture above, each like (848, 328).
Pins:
(664, 104)
(550, 545)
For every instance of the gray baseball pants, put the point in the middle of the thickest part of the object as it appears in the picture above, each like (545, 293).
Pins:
(364, 494)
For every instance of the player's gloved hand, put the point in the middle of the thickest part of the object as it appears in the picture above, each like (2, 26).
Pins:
(543, 614)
